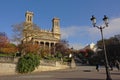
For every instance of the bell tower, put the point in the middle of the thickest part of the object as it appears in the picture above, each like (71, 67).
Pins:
(56, 27)
(28, 26)
(29, 17)
(28, 20)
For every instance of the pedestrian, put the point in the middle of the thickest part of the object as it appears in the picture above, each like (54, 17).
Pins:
(117, 64)
(111, 66)
(97, 67)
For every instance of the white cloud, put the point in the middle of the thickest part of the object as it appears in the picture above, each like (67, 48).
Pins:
(74, 33)
(110, 31)
(84, 32)
(69, 31)
(76, 46)
(114, 28)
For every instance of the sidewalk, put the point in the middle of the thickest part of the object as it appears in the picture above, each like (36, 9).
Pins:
(90, 73)
(78, 73)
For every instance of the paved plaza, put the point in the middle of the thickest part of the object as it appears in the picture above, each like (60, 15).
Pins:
(79, 73)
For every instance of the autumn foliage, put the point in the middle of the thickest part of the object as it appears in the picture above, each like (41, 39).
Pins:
(29, 48)
(6, 46)
(9, 48)
(3, 41)
(87, 52)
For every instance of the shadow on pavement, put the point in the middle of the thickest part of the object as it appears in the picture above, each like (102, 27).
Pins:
(112, 73)
(77, 79)
(115, 73)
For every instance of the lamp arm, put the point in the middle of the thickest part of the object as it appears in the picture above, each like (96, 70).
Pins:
(100, 27)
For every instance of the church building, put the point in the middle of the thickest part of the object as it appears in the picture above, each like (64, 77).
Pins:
(33, 33)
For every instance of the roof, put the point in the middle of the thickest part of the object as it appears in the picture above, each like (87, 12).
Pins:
(45, 37)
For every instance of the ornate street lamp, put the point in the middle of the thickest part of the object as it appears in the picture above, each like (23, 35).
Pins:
(105, 19)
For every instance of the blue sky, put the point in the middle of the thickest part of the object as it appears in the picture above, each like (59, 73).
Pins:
(74, 17)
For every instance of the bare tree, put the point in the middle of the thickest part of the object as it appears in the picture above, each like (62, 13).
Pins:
(21, 30)
(17, 32)
(62, 47)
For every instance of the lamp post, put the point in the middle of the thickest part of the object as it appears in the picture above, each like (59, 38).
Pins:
(105, 19)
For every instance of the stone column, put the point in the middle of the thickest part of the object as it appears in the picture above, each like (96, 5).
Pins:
(44, 44)
(54, 48)
(33, 42)
(49, 45)
(39, 42)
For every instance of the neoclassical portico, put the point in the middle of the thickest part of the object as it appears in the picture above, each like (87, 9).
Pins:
(44, 43)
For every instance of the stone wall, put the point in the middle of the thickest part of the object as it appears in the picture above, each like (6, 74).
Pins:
(50, 68)
(10, 59)
(7, 68)
(10, 68)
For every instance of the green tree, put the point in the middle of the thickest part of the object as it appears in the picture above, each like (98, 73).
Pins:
(112, 48)
(28, 63)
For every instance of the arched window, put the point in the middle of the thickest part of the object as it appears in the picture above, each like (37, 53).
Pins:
(56, 24)
(28, 18)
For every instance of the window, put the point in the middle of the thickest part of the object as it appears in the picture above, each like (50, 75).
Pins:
(56, 24)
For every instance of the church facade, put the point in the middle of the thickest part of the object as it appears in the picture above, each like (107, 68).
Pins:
(33, 33)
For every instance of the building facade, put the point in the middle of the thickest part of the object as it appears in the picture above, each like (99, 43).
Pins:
(91, 46)
(33, 33)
